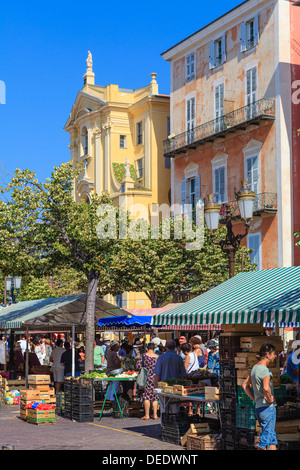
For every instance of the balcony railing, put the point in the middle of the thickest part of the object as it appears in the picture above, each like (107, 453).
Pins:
(263, 203)
(240, 118)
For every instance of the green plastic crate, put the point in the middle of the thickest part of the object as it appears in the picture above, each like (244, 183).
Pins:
(245, 416)
(243, 398)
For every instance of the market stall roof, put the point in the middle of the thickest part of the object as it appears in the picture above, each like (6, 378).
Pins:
(54, 312)
(133, 321)
(266, 296)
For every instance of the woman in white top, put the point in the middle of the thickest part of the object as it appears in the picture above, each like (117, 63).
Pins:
(191, 363)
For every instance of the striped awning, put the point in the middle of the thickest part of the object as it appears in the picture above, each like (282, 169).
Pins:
(267, 296)
(192, 327)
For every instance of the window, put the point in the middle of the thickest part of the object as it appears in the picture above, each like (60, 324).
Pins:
(84, 141)
(217, 52)
(251, 93)
(219, 184)
(254, 242)
(249, 33)
(190, 120)
(219, 107)
(139, 133)
(123, 141)
(168, 126)
(119, 300)
(167, 162)
(190, 196)
(190, 67)
(140, 168)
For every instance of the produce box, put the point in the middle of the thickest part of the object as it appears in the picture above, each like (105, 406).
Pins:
(212, 393)
(41, 388)
(254, 343)
(168, 389)
(39, 379)
(40, 416)
(187, 390)
(208, 442)
(162, 385)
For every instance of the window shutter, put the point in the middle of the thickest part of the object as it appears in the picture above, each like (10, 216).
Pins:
(256, 29)
(217, 184)
(222, 183)
(223, 48)
(243, 37)
(212, 54)
(197, 188)
(183, 195)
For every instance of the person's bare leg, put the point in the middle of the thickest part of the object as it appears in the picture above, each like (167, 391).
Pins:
(154, 406)
(147, 409)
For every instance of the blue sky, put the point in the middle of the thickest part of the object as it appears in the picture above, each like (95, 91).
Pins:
(43, 50)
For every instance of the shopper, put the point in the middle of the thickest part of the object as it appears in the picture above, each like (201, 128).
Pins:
(99, 357)
(182, 340)
(57, 369)
(292, 365)
(48, 351)
(169, 365)
(67, 359)
(191, 362)
(128, 363)
(113, 363)
(149, 358)
(259, 387)
(196, 343)
(213, 361)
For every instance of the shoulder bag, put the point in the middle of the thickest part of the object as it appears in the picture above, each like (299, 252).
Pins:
(142, 378)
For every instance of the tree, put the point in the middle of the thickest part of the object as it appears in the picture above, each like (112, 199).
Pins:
(51, 230)
(158, 267)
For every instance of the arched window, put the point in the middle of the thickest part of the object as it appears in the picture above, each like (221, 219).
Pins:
(84, 141)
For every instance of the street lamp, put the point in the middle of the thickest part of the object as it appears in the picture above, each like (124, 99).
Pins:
(13, 284)
(245, 198)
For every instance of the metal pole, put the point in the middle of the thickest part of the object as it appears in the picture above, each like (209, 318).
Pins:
(73, 350)
(27, 357)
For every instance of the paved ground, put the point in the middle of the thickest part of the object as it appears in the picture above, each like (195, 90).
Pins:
(108, 434)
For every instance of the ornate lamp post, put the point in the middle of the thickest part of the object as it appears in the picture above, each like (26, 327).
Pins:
(13, 286)
(245, 198)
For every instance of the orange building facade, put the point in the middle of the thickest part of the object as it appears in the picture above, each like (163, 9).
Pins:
(232, 118)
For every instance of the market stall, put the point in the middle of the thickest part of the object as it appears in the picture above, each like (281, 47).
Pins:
(244, 305)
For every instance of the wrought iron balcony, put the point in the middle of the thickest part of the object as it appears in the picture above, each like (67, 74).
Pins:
(240, 118)
(263, 203)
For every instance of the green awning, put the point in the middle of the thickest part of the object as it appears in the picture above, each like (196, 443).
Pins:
(54, 312)
(267, 296)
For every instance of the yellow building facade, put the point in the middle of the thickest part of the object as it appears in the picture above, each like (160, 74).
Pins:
(118, 134)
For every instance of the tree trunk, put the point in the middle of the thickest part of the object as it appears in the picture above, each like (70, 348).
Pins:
(90, 322)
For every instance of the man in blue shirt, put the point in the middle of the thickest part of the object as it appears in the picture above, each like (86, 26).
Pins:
(169, 365)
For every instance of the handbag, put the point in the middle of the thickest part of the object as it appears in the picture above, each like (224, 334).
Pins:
(142, 378)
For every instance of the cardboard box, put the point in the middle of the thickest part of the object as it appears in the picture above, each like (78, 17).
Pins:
(40, 416)
(212, 393)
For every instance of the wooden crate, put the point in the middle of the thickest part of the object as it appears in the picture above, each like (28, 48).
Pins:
(39, 379)
(208, 442)
(29, 395)
(254, 343)
(41, 388)
(195, 429)
(23, 414)
(212, 393)
(251, 328)
(283, 427)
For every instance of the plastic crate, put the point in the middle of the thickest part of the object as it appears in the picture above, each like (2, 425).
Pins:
(289, 445)
(228, 386)
(227, 369)
(227, 418)
(83, 417)
(245, 438)
(228, 445)
(288, 411)
(228, 347)
(243, 398)
(227, 401)
(229, 434)
(245, 416)
(171, 436)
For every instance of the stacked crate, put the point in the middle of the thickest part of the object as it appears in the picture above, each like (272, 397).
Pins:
(26, 397)
(174, 427)
(234, 412)
(39, 391)
(79, 399)
(7, 386)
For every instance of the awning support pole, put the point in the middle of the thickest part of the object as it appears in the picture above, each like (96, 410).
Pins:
(27, 357)
(73, 350)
